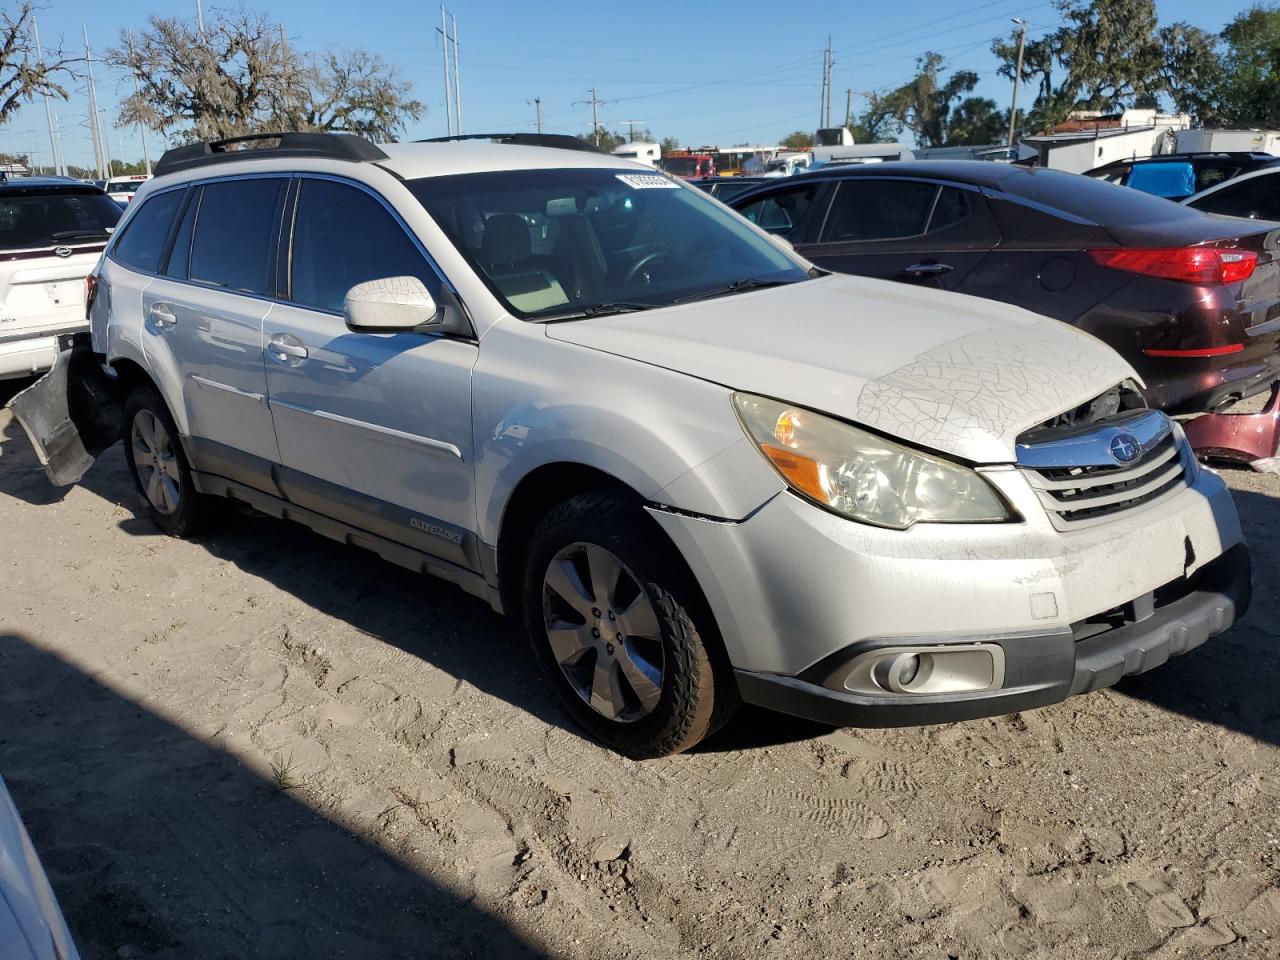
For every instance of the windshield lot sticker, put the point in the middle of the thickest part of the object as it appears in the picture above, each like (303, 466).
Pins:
(647, 181)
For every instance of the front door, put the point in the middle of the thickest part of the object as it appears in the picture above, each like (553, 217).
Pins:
(907, 230)
(374, 430)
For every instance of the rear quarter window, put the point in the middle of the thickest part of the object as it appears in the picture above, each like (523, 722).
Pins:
(141, 245)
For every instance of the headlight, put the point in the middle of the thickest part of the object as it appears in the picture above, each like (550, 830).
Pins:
(863, 476)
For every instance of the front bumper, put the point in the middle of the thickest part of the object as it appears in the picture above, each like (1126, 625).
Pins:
(1039, 670)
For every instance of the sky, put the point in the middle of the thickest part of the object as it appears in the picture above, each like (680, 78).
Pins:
(705, 73)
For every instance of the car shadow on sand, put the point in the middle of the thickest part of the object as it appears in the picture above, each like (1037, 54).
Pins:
(162, 846)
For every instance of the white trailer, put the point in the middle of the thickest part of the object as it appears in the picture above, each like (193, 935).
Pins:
(1229, 141)
(647, 153)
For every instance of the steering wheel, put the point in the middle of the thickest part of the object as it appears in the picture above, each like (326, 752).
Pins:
(649, 258)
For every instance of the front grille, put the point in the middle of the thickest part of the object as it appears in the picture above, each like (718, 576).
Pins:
(1076, 495)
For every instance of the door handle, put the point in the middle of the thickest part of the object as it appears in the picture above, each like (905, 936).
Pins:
(284, 348)
(162, 314)
(928, 268)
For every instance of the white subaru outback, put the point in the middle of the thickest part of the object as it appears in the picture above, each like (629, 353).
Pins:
(700, 470)
(51, 233)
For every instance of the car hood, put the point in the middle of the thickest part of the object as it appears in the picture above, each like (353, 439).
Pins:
(953, 373)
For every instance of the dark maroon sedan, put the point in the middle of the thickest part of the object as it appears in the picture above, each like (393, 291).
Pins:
(1192, 301)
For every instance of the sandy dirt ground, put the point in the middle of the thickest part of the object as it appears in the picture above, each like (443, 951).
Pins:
(262, 744)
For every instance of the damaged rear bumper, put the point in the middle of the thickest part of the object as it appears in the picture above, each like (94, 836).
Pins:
(71, 414)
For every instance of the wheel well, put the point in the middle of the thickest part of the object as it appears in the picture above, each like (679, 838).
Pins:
(131, 374)
(536, 494)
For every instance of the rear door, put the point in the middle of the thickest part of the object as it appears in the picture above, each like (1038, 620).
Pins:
(915, 231)
(204, 313)
(374, 429)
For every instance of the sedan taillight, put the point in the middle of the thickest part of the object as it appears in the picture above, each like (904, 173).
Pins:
(1209, 266)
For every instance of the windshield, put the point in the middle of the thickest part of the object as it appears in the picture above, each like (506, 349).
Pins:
(124, 186)
(680, 166)
(43, 217)
(558, 243)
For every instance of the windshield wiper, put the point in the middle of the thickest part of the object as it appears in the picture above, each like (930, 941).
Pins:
(601, 310)
(737, 286)
(79, 235)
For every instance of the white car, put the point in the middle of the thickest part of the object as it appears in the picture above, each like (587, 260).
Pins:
(122, 189)
(52, 231)
(699, 469)
(31, 923)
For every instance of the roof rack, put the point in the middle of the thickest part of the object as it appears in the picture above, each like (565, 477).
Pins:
(334, 146)
(561, 141)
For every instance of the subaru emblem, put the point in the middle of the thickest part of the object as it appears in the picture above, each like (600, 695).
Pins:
(62, 251)
(1125, 447)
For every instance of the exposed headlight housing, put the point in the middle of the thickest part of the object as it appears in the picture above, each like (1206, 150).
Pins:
(863, 476)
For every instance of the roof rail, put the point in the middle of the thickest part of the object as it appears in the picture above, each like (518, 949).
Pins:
(561, 141)
(334, 146)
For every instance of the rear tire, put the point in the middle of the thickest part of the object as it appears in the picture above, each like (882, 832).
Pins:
(159, 467)
(621, 631)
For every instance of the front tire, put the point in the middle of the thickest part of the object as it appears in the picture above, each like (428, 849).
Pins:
(621, 631)
(159, 467)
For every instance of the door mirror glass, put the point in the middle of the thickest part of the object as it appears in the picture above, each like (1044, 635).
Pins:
(393, 303)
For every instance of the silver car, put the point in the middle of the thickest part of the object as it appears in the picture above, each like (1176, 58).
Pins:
(700, 470)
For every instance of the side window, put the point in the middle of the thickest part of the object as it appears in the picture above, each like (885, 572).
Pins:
(341, 237)
(234, 240)
(1248, 198)
(878, 210)
(783, 211)
(180, 254)
(142, 243)
(952, 207)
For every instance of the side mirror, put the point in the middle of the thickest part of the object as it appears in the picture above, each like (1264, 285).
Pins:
(389, 305)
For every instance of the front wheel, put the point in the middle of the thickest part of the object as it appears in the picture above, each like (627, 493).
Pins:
(619, 629)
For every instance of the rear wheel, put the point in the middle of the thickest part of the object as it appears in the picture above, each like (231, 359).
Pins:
(159, 467)
(620, 631)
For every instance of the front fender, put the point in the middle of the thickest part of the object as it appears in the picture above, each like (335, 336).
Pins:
(672, 438)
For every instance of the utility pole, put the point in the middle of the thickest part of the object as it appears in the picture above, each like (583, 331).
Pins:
(200, 19)
(457, 85)
(537, 106)
(48, 110)
(595, 115)
(1017, 78)
(824, 112)
(631, 128)
(137, 90)
(444, 53)
(848, 108)
(96, 133)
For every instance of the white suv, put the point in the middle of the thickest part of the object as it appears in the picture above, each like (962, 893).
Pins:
(52, 231)
(699, 469)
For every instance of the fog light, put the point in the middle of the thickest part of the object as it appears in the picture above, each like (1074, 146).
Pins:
(924, 670)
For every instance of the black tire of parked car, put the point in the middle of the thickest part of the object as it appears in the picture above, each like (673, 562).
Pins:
(194, 511)
(699, 693)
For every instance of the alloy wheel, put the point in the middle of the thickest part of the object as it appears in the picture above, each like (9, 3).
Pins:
(604, 632)
(156, 463)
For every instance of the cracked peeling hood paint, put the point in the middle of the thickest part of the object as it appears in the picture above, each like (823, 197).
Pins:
(950, 372)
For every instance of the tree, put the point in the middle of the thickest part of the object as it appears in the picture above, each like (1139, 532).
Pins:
(606, 139)
(976, 122)
(923, 104)
(1245, 91)
(670, 145)
(1191, 67)
(23, 74)
(240, 76)
(797, 141)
